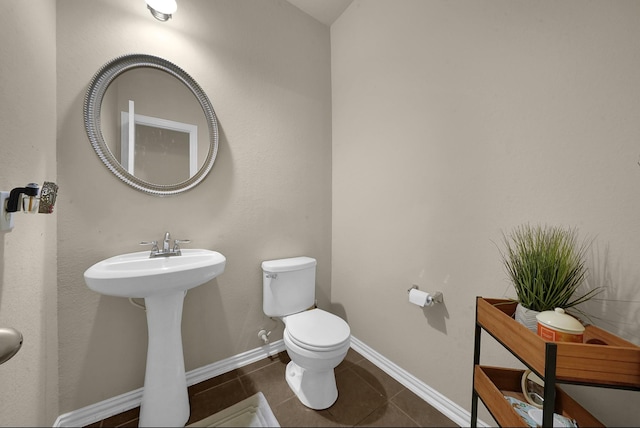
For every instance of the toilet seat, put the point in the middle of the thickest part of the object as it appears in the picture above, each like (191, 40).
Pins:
(317, 330)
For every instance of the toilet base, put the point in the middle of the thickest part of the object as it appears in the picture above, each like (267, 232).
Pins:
(316, 390)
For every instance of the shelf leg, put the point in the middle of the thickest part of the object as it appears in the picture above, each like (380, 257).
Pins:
(548, 407)
(476, 361)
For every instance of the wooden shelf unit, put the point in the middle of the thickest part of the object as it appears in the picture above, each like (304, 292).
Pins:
(603, 360)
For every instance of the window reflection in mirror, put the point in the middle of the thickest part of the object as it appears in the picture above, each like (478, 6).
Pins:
(158, 150)
(164, 153)
(161, 156)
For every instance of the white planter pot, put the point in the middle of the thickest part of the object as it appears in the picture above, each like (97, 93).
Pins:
(527, 318)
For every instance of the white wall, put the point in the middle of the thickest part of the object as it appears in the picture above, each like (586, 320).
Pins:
(29, 381)
(454, 121)
(264, 65)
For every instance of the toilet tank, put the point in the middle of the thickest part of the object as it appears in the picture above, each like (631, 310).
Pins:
(289, 285)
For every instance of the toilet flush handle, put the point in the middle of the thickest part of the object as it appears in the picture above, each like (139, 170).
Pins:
(272, 275)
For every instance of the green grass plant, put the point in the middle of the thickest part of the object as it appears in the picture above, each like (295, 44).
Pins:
(547, 266)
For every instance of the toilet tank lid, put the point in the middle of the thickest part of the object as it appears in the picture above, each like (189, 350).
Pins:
(284, 265)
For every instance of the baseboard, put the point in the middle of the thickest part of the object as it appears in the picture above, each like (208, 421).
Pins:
(444, 405)
(121, 403)
(216, 369)
(127, 401)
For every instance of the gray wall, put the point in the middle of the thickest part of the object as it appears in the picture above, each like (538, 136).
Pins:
(29, 381)
(264, 65)
(453, 121)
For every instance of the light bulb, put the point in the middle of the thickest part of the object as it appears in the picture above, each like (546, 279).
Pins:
(162, 9)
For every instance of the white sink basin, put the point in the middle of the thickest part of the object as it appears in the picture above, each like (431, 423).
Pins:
(162, 282)
(138, 275)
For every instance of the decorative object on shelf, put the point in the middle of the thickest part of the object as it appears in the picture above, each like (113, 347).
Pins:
(613, 363)
(532, 388)
(533, 416)
(559, 326)
(526, 317)
(546, 265)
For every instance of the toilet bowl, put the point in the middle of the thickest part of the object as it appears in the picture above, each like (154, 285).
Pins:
(316, 340)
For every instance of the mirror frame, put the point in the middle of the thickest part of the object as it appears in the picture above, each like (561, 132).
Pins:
(93, 105)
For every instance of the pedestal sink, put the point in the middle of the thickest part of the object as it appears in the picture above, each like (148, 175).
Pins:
(162, 282)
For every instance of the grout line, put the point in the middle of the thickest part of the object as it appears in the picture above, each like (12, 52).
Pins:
(124, 424)
(383, 392)
(273, 359)
(448, 408)
(404, 413)
(244, 388)
(384, 404)
(399, 392)
(237, 378)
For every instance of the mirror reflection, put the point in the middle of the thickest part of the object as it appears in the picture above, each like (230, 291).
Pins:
(151, 124)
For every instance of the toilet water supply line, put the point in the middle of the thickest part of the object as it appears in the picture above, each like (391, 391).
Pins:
(264, 334)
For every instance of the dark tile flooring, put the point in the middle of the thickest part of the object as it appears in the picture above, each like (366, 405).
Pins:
(367, 396)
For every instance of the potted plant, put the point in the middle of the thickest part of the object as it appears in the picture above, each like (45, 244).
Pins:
(546, 265)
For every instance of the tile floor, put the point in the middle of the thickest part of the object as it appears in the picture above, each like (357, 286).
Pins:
(367, 396)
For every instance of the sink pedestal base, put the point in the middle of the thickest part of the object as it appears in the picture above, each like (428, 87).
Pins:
(165, 401)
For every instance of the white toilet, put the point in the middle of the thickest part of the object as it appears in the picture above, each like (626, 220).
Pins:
(316, 340)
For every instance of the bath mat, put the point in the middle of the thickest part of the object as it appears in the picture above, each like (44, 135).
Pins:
(251, 412)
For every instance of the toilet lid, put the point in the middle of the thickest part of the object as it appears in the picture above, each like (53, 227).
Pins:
(317, 329)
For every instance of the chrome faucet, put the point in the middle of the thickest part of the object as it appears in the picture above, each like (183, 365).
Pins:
(166, 251)
(166, 242)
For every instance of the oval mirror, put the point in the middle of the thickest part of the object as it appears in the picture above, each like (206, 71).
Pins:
(151, 124)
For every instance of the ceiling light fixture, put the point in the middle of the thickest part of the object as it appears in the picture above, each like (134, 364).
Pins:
(162, 9)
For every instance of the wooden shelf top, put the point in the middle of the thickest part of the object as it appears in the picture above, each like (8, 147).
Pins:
(603, 360)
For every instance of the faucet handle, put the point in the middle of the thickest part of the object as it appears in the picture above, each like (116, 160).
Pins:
(154, 244)
(177, 242)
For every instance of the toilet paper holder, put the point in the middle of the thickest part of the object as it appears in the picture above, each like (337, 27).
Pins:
(436, 297)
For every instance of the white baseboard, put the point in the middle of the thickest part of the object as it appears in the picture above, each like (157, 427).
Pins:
(444, 405)
(127, 401)
(121, 403)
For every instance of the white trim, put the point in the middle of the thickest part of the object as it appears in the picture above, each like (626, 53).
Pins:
(121, 403)
(127, 401)
(216, 369)
(444, 405)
